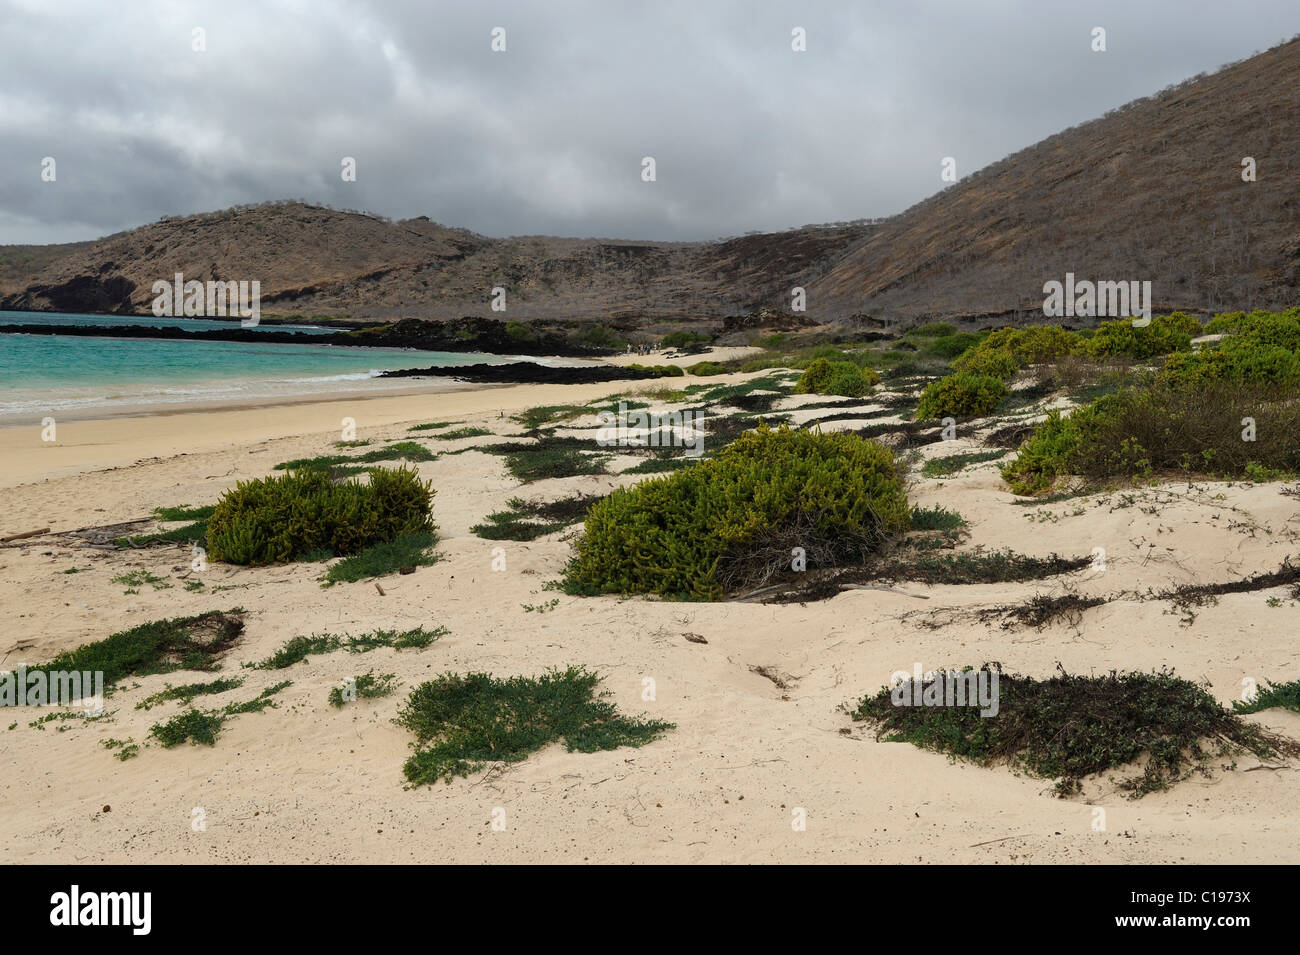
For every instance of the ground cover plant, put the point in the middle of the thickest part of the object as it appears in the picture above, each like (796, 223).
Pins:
(1070, 727)
(402, 554)
(936, 518)
(202, 727)
(299, 648)
(952, 463)
(529, 520)
(160, 646)
(366, 686)
(550, 456)
(187, 692)
(398, 451)
(1285, 695)
(461, 723)
(195, 530)
(456, 434)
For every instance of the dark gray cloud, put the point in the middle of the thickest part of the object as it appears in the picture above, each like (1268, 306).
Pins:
(548, 136)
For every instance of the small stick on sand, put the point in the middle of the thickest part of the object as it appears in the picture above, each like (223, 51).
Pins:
(892, 590)
(24, 536)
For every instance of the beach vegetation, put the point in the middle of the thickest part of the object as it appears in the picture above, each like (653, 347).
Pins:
(202, 727)
(187, 692)
(952, 463)
(366, 686)
(402, 554)
(160, 646)
(1220, 429)
(1165, 334)
(1069, 727)
(398, 451)
(279, 518)
(963, 395)
(843, 378)
(1270, 696)
(684, 339)
(529, 520)
(670, 535)
(300, 648)
(462, 723)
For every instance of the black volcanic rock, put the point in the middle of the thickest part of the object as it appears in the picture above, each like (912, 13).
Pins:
(84, 293)
(461, 335)
(470, 334)
(526, 372)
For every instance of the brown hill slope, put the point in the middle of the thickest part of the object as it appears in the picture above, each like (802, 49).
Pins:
(313, 260)
(1152, 191)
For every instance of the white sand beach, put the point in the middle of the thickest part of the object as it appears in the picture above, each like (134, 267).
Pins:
(306, 782)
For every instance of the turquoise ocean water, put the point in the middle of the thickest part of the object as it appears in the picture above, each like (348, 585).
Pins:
(49, 374)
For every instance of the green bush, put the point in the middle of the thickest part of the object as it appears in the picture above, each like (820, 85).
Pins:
(1262, 348)
(520, 332)
(277, 519)
(850, 381)
(704, 369)
(1005, 351)
(1273, 328)
(844, 378)
(1165, 334)
(598, 336)
(963, 395)
(1163, 429)
(1234, 359)
(934, 330)
(952, 346)
(662, 371)
(1045, 455)
(684, 340)
(991, 362)
(668, 535)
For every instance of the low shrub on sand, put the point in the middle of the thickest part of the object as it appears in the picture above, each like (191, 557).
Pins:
(963, 395)
(843, 378)
(1069, 727)
(1165, 429)
(769, 491)
(277, 519)
(1165, 334)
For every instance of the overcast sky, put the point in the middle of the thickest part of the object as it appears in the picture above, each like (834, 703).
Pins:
(549, 135)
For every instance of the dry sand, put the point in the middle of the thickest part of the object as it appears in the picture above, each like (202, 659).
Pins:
(308, 783)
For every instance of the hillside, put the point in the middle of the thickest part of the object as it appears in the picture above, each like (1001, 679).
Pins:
(1152, 191)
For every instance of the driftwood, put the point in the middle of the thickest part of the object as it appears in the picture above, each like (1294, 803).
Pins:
(24, 536)
(892, 590)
